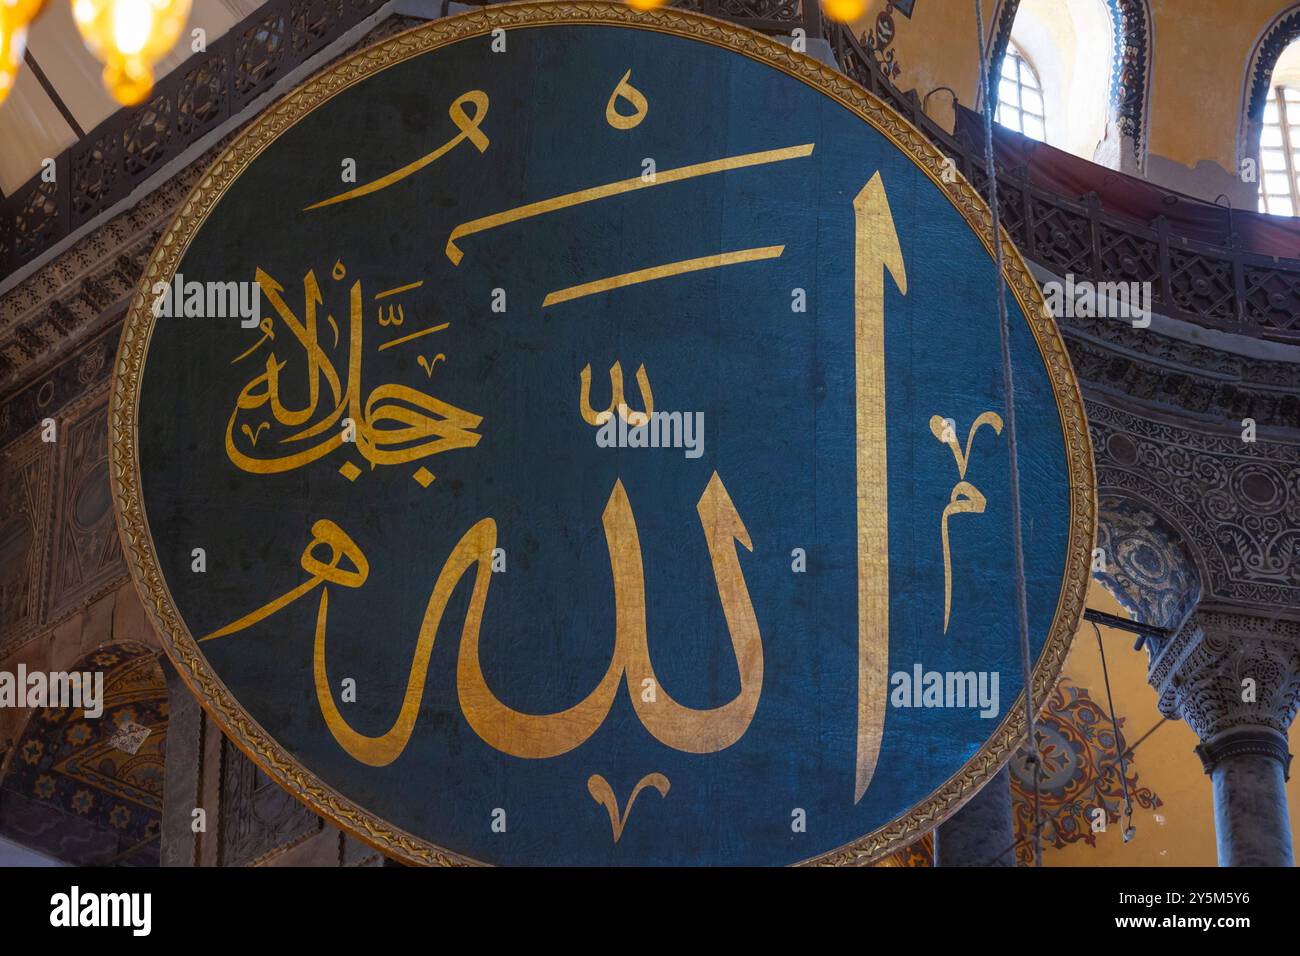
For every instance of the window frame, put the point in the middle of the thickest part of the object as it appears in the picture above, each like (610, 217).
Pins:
(1022, 66)
(1288, 125)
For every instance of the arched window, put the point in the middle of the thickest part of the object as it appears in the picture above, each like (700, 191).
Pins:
(1279, 142)
(1086, 62)
(1020, 96)
(1269, 143)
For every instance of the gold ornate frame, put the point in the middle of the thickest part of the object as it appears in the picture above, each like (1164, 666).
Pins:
(137, 541)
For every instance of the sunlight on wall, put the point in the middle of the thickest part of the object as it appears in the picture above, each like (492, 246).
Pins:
(1070, 44)
(1180, 830)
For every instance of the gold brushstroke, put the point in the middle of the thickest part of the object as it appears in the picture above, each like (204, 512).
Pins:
(616, 189)
(876, 251)
(603, 794)
(616, 401)
(662, 272)
(540, 736)
(469, 130)
(414, 335)
(965, 497)
(626, 91)
(399, 289)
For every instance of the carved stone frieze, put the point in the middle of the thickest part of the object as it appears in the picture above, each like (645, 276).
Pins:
(1138, 368)
(1234, 503)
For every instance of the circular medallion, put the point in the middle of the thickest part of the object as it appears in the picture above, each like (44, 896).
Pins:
(563, 434)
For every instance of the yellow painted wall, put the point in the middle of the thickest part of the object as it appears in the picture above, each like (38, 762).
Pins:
(1181, 831)
(1201, 53)
(936, 47)
(1202, 49)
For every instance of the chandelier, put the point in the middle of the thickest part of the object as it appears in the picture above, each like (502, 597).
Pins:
(130, 36)
(127, 36)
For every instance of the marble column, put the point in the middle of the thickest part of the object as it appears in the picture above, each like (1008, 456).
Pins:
(1235, 679)
(981, 833)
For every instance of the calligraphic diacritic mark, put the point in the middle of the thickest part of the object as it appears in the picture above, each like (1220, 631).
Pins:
(603, 794)
(397, 290)
(661, 178)
(427, 365)
(414, 335)
(633, 418)
(630, 94)
(267, 328)
(469, 130)
(253, 434)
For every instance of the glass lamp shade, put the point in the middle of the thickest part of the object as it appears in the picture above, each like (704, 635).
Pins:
(13, 40)
(129, 36)
(24, 10)
(844, 11)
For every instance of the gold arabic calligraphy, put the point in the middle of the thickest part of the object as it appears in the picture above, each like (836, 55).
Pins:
(538, 736)
(390, 425)
(965, 498)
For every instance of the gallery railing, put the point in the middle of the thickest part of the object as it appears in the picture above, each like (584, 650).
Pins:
(1216, 286)
(1220, 287)
(119, 154)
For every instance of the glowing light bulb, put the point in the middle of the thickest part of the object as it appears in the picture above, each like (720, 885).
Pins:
(644, 5)
(13, 40)
(131, 22)
(129, 36)
(845, 11)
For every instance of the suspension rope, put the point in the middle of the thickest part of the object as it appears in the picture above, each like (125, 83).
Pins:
(1129, 829)
(1009, 387)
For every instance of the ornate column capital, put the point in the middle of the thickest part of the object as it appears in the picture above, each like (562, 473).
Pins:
(1235, 679)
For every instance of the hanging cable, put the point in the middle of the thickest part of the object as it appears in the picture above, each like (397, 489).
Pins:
(1009, 387)
(1129, 829)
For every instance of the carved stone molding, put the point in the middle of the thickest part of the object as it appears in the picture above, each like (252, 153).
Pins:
(59, 549)
(1140, 369)
(79, 372)
(1226, 672)
(1235, 504)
